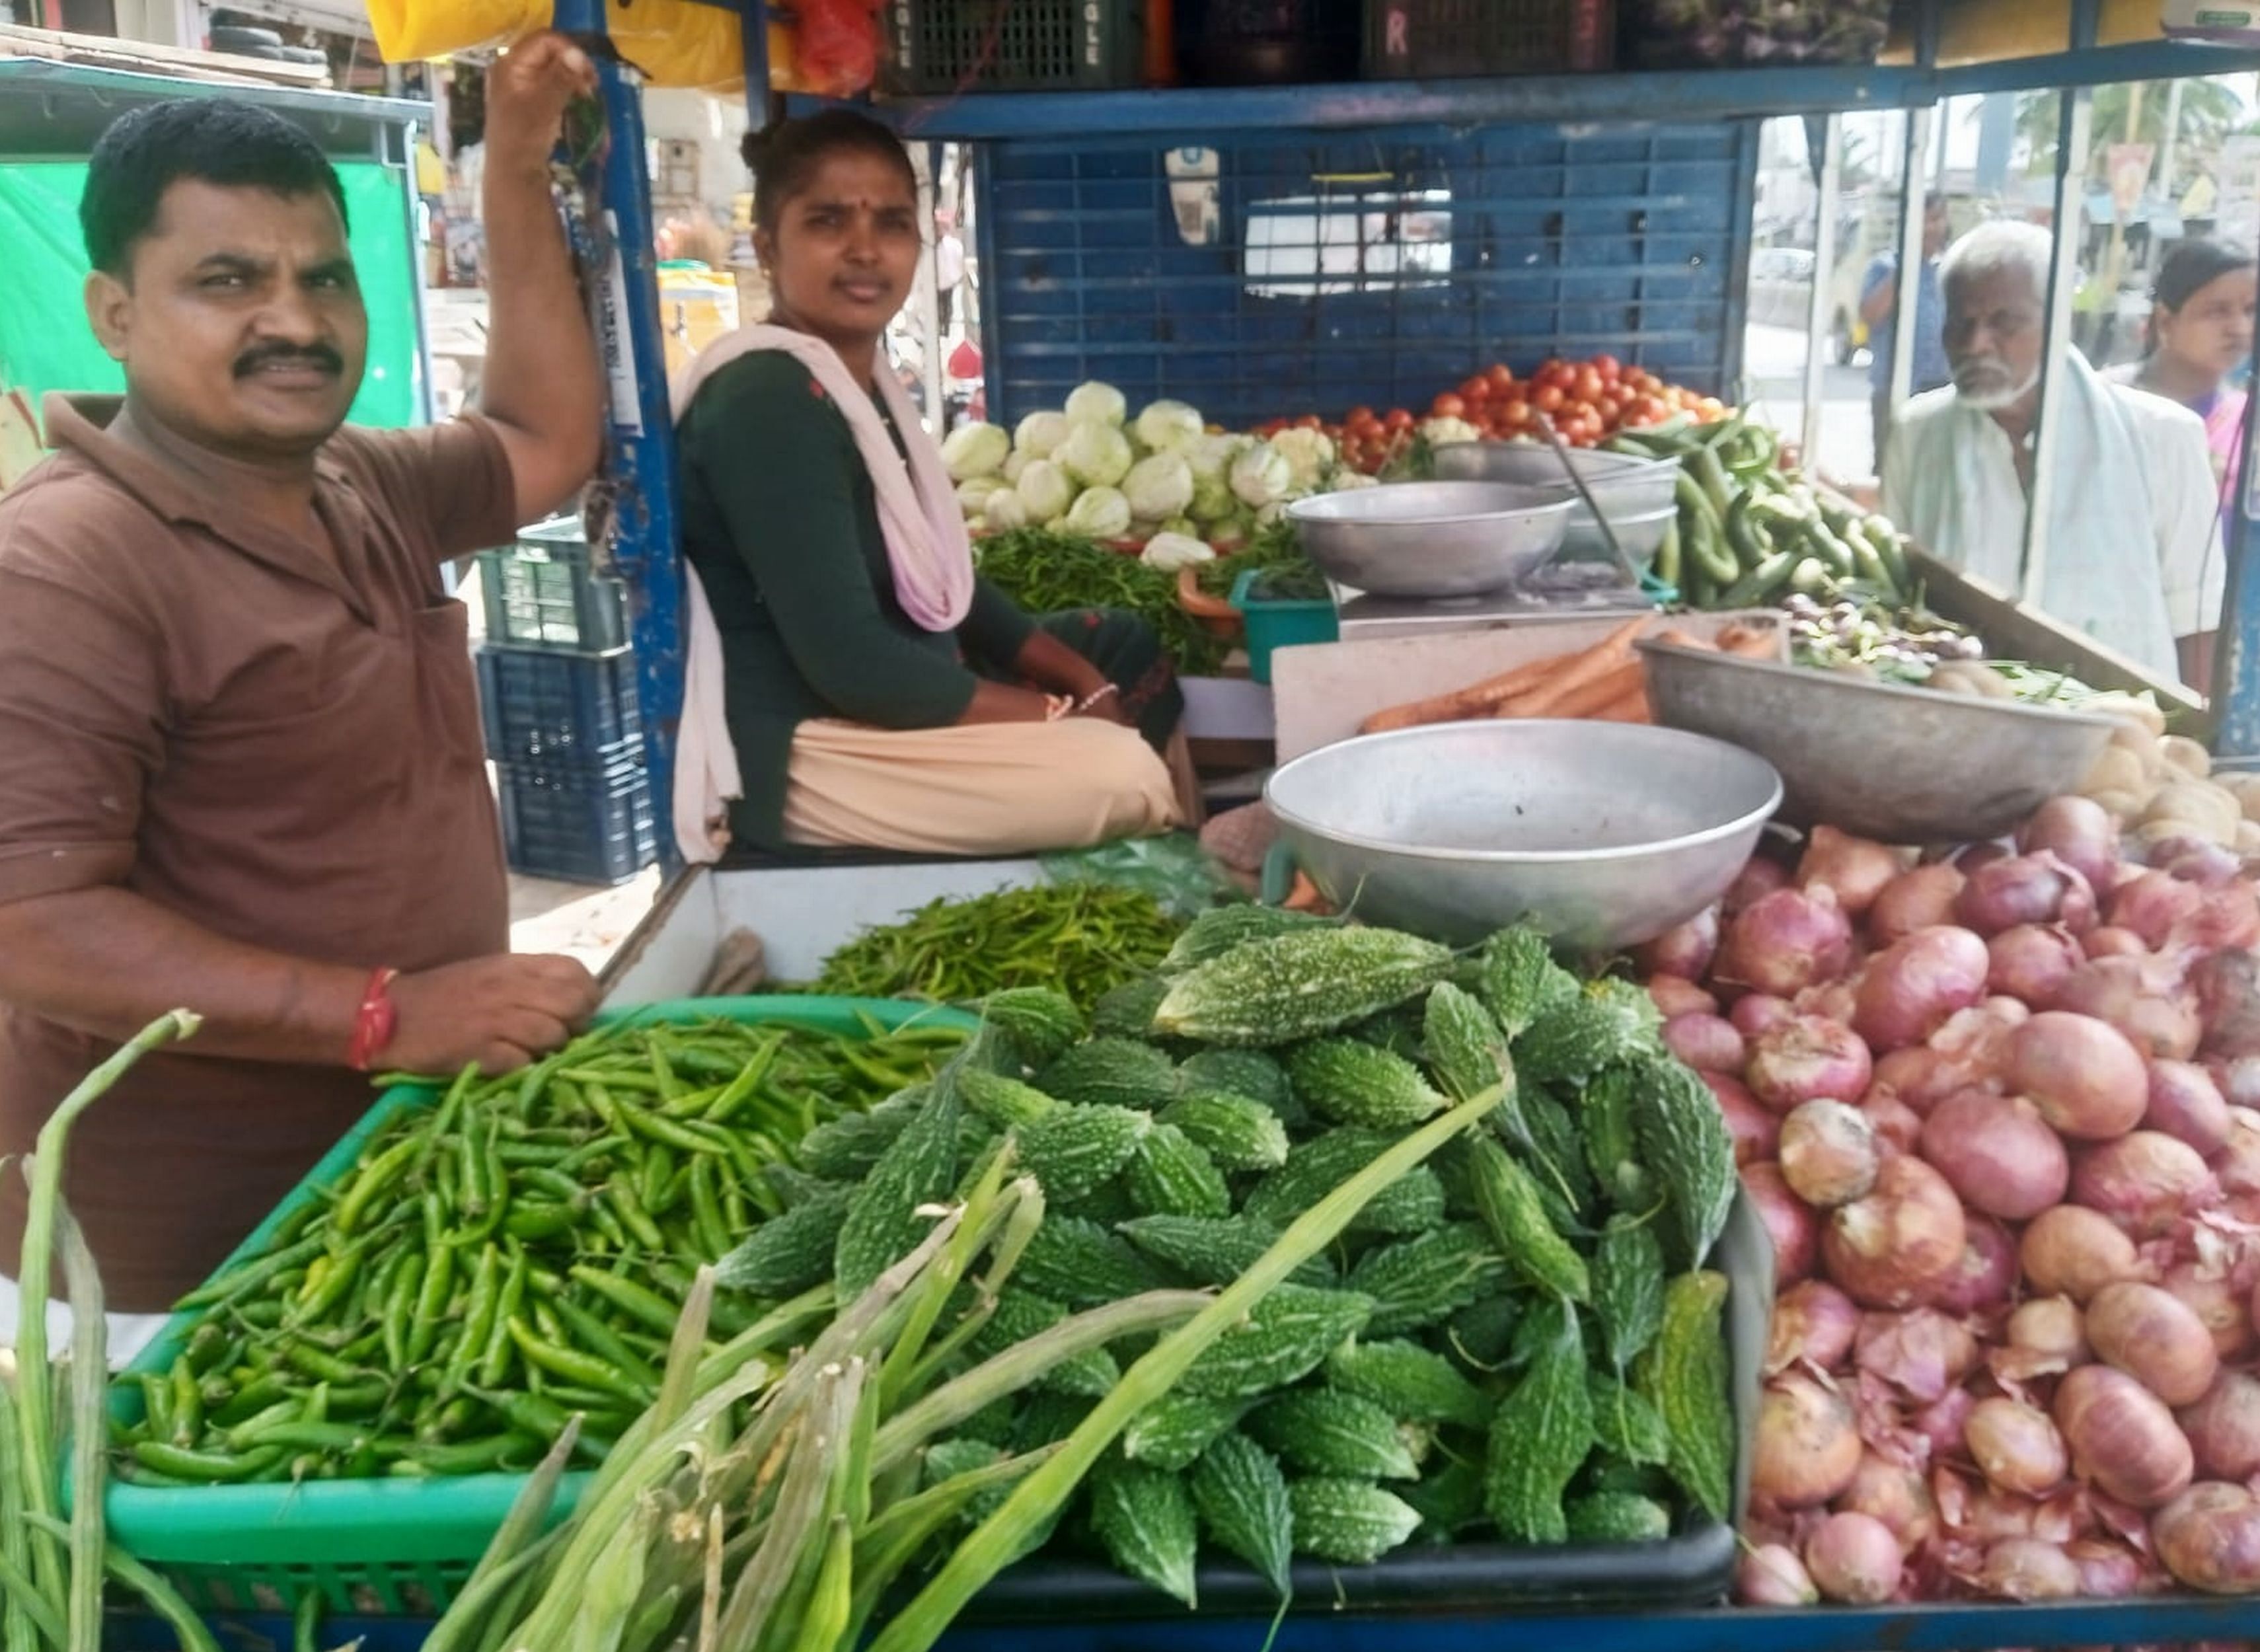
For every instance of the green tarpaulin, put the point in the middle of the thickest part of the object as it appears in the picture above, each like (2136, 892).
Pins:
(45, 343)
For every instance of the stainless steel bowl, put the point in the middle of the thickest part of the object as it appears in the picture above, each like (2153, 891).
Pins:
(1623, 484)
(1603, 835)
(1432, 538)
(1641, 535)
(1901, 765)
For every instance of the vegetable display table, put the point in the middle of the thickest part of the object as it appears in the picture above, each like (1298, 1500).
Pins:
(2158, 1620)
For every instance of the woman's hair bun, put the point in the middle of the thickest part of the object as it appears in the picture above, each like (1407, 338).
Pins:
(755, 143)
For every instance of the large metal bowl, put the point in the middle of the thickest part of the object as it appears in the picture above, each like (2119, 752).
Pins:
(1432, 538)
(1641, 535)
(1624, 485)
(1603, 835)
(1899, 764)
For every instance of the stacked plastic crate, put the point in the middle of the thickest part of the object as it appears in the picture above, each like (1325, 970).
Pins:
(557, 689)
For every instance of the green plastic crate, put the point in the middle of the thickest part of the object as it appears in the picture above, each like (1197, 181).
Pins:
(1274, 624)
(377, 1547)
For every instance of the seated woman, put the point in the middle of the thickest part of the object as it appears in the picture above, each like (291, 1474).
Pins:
(879, 694)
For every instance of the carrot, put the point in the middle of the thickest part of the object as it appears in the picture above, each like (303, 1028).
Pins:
(1477, 700)
(1748, 642)
(1303, 896)
(1612, 650)
(1633, 708)
(1679, 638)
(1612, 684)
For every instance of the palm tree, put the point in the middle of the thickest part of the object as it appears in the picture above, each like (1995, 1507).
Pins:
(2209, 112)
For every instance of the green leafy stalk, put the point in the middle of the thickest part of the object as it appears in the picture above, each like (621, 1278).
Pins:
(483, 1602)
(22, 1602)
(846, 1452)
(1023, 1362)
(986, 1209)
(1005, 1533)
(679, 1386)
(35, 1401)
(89, 1379)
(795, 1525)
(645, 1453)
(899, 1535)
(516, 1545)
(164, 1599)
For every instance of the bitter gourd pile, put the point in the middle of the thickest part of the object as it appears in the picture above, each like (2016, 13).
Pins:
(1486, 1355)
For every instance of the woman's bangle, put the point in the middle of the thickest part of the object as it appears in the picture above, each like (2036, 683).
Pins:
(1095, 696)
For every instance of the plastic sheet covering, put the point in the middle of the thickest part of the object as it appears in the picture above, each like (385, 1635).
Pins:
(1175, 870)
(45, 342)
(673, 42)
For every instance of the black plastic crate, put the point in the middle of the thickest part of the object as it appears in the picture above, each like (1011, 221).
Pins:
(1267, 42)
(1770, 36)
(1413, 40)
(539, 703)
(580, 821)
(940, 46)
(539, 593)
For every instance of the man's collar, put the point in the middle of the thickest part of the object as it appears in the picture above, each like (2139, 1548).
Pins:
(82, 424)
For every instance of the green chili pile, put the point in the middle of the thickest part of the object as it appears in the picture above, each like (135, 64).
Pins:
(1083, 940)
(501, 1261)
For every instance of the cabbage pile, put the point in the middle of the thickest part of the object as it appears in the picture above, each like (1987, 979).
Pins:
(1162, 480)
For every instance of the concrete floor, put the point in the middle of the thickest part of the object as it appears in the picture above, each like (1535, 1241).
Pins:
(546, 915)
(581, 922)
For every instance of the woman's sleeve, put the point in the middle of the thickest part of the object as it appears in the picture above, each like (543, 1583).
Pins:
(995, 626)
(767, 442)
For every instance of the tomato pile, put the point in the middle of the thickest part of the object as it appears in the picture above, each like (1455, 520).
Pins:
(1589, 401)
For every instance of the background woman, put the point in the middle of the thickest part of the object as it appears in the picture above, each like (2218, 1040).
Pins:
(879, 693)
(2200, 341)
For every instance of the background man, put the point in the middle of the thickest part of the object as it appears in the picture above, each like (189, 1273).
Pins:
(2133, 553)
(1879, 299)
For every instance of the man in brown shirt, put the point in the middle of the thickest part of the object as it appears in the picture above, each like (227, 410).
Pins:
(239, 752)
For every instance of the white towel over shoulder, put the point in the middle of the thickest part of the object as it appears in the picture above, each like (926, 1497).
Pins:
(927, 550)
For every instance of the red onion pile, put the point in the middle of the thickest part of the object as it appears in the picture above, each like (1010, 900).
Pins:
(2000, 1113)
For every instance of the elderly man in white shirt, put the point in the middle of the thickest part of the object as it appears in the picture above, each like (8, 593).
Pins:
(2134, 553)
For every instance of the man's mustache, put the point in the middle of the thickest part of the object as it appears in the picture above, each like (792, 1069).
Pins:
(315, 355)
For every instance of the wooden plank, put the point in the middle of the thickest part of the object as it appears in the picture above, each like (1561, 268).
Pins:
(1321, 692)
(184, 62)
(2011, 630)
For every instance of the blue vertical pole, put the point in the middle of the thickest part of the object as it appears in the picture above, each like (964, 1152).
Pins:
(753, 27)
(645, 549)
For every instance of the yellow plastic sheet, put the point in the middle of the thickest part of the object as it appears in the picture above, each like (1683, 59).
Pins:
(674, 42)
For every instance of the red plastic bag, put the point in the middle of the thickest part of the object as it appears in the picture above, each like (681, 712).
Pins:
(839, 53)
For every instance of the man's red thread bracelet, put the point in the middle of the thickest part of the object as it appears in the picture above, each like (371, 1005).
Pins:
(374, 1022)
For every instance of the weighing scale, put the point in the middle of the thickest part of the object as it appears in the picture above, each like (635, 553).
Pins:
(1578, 589)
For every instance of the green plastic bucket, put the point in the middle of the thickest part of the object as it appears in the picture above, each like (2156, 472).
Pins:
(1274, 624)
